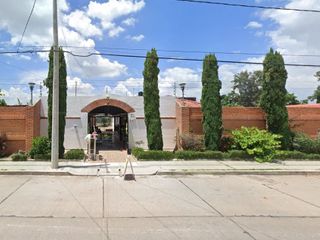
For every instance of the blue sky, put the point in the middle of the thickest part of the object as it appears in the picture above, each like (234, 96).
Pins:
(105, 26)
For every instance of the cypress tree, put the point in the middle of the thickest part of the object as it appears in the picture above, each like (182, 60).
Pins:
(62, 97)
(151, 101)
(211, 103)
(274, 97)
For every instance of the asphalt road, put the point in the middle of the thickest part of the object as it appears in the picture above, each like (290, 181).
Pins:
(195, 207)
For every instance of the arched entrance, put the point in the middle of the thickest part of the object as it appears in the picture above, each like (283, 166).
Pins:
(109, 118)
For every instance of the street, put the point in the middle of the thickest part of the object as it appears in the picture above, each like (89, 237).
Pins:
(160, 207)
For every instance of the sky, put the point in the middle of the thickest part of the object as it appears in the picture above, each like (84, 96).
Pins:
(175, 29)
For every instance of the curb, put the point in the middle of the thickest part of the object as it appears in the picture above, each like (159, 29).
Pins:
(238, 172)
(36, 173)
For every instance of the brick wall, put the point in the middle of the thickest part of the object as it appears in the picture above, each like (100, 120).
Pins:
(20, 124)
(302, 118)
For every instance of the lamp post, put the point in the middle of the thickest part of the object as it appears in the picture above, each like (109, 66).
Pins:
(182, 87)
(31, 86)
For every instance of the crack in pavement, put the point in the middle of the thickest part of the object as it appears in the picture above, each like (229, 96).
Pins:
(14, 191)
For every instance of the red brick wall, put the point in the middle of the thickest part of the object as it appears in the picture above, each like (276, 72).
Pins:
(20, 124)
(301, 119)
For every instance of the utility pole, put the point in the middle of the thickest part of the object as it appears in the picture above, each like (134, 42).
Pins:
(55, 92)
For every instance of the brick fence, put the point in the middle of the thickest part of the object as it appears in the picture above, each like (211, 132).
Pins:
(302, 118)
(19, 124)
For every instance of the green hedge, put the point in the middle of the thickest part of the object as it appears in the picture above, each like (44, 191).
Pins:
(19, 156)
(42, 157)
(140, 154)
(73, 154)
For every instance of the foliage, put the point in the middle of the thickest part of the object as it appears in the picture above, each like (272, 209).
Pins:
(40, 145)
(192, 142)
(304, 143)
(295, 155)
(42, 157)
(3, 145)
(2, 103)
(152, 154)
(316, 95)
(260, 144)
(211, 103)
(226, 143)
(74, 154)
(106, 121)
(238, 155)
(292, 99)
(192, 155)
(247, 85)
(151, 101)
(230, 99)
(273, 98)
(19, 156)
(62, 97)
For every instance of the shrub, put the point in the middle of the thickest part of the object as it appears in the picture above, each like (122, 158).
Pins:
(40, 145)
(295, 155)
(3, 145)
(42, 157)
(260, 144)
(155, 155)
(19, 156)
(192, 142)
(137, 151)
(226, 144)
(74, 154)
(238, 155)
(304, 143)
(193, 155)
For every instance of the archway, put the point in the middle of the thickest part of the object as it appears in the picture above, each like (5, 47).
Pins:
(109, 118)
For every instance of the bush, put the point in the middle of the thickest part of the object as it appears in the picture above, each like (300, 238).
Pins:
(137, 151)
(40, 145)
(193, 155)
(153, 155)
(74, 154)
(295, 155)
(19, 156)
(42, 157)
(226, 144)
(260, 144)
(304, 143)
(238, 155)
(192, 142)
(3, 145)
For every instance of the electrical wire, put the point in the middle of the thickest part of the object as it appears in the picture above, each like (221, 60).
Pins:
(250, 6)
(26, 25)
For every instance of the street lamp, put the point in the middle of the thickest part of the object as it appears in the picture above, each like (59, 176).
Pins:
(31, 86)
(182, 86)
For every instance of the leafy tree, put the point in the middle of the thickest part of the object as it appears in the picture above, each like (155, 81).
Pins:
(273, 98)
(211, 103)
(316, 94)
(151, 101)
(248, 87)
(2, 101)
(231, 99)
(292, 99)
(62, 97)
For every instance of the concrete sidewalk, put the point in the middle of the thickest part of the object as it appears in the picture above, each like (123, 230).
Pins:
(147, 168)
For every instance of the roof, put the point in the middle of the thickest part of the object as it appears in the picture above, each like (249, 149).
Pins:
(188, 103)
(76, 104)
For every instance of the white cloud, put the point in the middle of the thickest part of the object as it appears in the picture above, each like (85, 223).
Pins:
(297, 33)
(111, 10)
(36, 76)
(14, 93)
(254, 25)
(83, 89)
(82, 23)
(129, 21)
(137, 38)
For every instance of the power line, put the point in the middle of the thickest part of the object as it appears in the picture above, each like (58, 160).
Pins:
(25, 27)
(160, 57)
(250, 6)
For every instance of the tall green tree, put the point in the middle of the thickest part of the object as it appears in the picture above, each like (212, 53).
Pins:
(248, 87)
(152, 101)
(274, 97)
(316, 95)
(211, 103)
(2, 101)
(62, 97)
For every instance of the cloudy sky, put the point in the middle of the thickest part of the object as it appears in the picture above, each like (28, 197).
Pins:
(175, 29)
